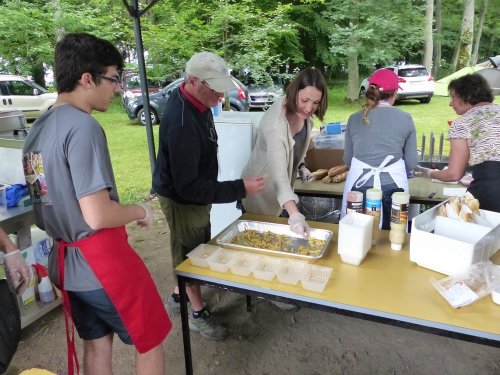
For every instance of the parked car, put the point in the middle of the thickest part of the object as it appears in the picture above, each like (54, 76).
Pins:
(131, 86)
(415, 82)
(238, 99)
(262, 96)
(19, 93)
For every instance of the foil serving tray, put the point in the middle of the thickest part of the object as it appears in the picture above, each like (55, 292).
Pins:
(291, 243)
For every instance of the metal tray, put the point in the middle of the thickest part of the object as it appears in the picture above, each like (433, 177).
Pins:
(292, 240)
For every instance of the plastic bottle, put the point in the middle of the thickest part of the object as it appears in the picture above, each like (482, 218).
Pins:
(373, 207)
(354, 202)
(399, 219)
(45, 290)
(217, 110)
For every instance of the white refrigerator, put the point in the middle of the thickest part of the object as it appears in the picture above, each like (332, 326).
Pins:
(236, 132)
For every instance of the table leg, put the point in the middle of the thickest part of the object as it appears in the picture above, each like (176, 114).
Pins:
(249, 303)
(185, 326)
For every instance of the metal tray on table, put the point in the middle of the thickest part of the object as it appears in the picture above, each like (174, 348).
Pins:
(275, 238)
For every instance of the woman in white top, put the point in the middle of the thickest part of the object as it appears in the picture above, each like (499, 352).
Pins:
(282, 142)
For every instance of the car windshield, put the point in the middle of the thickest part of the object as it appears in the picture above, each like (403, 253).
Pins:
(415, 72)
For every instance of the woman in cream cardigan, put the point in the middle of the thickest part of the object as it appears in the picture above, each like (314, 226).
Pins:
(282, 142)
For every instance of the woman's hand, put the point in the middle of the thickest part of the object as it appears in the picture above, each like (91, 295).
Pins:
(423, 172)
(298, 224)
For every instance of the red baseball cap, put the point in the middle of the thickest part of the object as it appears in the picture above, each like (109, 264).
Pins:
(385, 80)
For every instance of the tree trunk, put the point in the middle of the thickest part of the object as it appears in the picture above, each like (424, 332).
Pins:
(466, 34)
(479, 32)
(437, 39)
(352, 71)
(428, 35)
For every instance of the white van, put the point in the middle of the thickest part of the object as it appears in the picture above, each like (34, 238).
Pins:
(19, 93)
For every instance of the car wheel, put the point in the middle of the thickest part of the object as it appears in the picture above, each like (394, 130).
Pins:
(234, 108)
(141, 116)
(362, 92)
(424, 100)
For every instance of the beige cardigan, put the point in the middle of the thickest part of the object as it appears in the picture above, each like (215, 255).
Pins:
(272, 157)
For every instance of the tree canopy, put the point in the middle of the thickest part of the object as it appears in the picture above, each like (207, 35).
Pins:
(271, 38)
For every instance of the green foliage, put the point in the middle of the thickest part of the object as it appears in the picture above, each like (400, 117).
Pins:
(26, 36)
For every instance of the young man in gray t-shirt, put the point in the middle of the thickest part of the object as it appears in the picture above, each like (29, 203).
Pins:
(68, 168)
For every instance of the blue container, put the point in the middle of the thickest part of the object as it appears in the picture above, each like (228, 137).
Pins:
(333, 128)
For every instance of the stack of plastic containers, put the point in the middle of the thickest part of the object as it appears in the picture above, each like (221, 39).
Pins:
(262, 267)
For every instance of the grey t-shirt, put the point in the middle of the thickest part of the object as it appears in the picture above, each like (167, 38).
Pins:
(65, 158)
(390, 132)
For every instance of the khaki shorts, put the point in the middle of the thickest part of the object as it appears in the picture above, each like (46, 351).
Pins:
(189, 227)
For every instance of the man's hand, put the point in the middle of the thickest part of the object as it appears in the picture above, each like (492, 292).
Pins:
(148, 218)
(17, 269)
(253, 185)
(298, 224)
(305, 174)
(422, 172)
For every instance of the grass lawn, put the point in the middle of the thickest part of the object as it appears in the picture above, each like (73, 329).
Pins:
(129, 147)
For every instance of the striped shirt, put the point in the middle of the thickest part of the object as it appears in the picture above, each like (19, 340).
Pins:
(481, 127)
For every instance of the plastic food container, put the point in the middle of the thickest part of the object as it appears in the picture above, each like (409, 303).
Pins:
(315, 278)
(451, 246)
(290, 271)
(266, 267)
(355, 237)
(199, 256)
(243, 263)
(219, 260)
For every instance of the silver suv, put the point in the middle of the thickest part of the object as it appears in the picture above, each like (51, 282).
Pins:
(415, 82)
(19, 93)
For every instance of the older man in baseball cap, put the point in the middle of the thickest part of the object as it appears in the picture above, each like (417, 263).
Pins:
(185, 175)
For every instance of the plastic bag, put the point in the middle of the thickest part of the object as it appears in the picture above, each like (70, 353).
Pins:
(464, 289)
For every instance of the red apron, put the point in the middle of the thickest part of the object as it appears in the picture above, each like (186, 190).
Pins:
(129, 285)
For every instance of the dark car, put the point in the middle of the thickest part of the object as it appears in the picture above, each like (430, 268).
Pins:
(238, 99)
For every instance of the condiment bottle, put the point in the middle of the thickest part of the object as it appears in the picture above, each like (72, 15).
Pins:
(373, 207)
(399, 219)
(354, 202)
(45, 290)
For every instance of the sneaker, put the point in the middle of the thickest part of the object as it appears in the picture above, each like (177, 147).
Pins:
(207, 327)
(285, 306)
(172, 306)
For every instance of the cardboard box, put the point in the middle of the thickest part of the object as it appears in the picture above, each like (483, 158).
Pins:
(451, 246)
(323, 158)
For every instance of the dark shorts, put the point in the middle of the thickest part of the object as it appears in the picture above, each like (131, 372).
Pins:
(95, 316)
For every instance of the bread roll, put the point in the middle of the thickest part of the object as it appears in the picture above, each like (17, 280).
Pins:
(340, 177)
(327, 179)
(442, 211)
(455, 205)
(319, 174)
(473, 204)
(337, 170)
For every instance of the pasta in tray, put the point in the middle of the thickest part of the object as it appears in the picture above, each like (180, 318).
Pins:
(280, 242)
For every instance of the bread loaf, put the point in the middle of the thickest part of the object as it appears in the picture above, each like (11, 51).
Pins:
(340, 177)
(327, 179)
(319, 174)
(337, 170)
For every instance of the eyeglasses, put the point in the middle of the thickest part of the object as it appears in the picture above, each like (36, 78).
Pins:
(115, 79)
(206, 84)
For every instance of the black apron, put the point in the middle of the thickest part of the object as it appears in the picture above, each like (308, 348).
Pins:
(486, 185)
(10, 325)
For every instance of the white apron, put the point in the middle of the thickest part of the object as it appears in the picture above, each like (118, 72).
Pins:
(397, 171)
